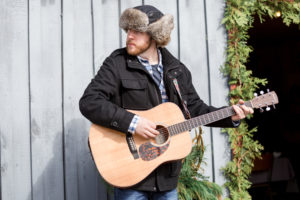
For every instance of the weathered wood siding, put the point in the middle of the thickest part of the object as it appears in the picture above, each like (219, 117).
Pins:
(49, 51)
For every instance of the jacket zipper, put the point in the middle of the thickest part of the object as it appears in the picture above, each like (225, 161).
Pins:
(159, 100)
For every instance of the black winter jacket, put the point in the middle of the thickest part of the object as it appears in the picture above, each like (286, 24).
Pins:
(123, 83)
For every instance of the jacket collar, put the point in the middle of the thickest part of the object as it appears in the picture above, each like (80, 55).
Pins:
(168, 60)
(133, 63)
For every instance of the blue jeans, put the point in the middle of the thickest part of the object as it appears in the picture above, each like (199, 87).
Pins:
(127, 194)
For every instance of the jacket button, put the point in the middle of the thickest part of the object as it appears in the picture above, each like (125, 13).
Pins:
(115, 124)
(154, 188)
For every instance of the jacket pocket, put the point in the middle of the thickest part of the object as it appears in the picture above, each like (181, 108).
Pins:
(135, 94)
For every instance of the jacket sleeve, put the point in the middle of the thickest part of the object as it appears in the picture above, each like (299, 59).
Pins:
(197, 107)
(97, 105)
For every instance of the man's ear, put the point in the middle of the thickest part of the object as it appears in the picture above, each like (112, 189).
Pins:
(153, 41)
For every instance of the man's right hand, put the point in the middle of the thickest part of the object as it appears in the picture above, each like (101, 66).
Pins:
(146, 128)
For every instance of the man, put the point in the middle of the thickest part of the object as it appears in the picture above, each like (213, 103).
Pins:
(140, 77)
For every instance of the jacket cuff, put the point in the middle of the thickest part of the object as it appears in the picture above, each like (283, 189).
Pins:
(236, 123)
(122, 120)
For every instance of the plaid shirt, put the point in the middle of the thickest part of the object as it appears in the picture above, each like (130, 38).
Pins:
(161, 86)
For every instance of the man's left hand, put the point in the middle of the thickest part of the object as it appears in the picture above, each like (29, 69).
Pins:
(241, 111)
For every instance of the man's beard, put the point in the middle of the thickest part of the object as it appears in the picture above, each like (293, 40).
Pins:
(136, 50)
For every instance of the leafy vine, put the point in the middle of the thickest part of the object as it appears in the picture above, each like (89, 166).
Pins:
(239, 16)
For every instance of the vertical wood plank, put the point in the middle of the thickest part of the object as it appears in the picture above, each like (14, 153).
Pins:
(106, 29)
(123, 6)
(14, 101)
(106, 40)
(82, 178)
(46, 99)
(219, 87)
(168, 7)
(193, 53)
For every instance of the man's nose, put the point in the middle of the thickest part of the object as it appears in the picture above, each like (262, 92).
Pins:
(130, 34)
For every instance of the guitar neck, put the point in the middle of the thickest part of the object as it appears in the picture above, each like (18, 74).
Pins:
(203, 120)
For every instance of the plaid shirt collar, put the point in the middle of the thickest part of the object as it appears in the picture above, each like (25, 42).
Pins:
(149, 67)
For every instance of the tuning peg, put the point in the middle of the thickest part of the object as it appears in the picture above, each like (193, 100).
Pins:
(268, 108)
(261, 110)
(268, 90)
(273, 105)
(255, 94)
(261, 92)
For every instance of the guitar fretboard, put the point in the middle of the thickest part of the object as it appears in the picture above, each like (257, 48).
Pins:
(203, 120)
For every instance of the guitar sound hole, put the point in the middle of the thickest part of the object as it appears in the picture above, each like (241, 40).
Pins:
(151, 150)
(163, 135)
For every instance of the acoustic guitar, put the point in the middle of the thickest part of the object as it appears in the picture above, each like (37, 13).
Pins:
(125, 161)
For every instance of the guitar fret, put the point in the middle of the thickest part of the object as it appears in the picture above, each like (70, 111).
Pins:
(170, 130)
(193, 124)
(219, 115)
(185, 126)
(201, 120)
(182, 127)
(215, 116)
(177, 130)
(190, 125)
(227, 111)
(174, 130)
(206, 119)
(210, 118)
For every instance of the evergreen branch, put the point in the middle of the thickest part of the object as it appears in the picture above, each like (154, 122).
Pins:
(238, 19)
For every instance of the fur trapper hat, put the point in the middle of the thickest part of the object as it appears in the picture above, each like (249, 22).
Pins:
(148, 19)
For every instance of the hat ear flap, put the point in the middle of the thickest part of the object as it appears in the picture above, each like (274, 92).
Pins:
(161, 30)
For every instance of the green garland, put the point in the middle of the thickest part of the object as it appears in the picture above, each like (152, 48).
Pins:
(239, 16)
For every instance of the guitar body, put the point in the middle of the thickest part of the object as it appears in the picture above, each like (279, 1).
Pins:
(121, 168)
(116, 163)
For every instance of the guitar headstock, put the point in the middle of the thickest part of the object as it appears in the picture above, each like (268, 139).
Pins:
(265, 100)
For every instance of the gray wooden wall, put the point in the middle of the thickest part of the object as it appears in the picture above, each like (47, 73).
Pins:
(49, 51)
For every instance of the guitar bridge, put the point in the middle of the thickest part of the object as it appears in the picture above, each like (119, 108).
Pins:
(132, 146)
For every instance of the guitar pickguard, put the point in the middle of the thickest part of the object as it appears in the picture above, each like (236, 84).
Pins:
(149, 152)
